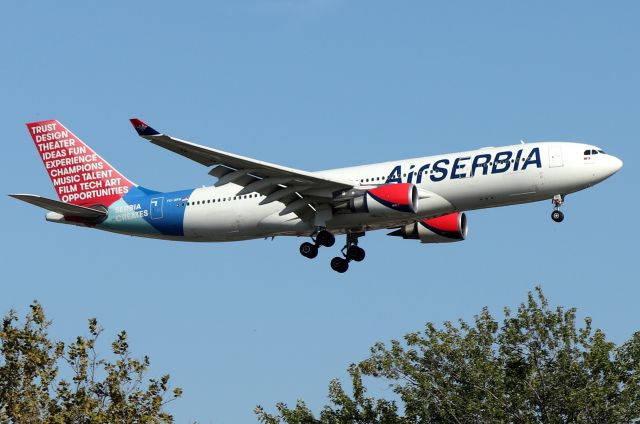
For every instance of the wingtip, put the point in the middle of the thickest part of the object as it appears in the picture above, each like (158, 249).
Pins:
(141, 128)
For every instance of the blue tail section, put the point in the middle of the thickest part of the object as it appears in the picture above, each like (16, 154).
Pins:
(148, 212)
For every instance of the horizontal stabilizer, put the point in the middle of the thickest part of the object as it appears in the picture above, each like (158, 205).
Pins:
(66, 209)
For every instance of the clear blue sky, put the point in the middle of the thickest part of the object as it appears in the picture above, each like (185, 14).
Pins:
(314, 84)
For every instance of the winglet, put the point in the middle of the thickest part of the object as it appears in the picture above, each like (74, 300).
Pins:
(142, 128)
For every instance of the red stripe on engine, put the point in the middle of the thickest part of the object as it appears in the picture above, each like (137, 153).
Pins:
(447, 223)
(399, 194)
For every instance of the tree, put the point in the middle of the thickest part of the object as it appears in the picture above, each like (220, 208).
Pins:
(536, 366)
(98, 391)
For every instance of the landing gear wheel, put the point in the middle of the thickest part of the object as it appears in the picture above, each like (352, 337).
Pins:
(308, 250)
(325, 238)
(557, 216)
(339, 264)
(355, 253)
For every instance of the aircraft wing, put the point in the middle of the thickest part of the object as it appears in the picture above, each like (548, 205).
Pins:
(298, 190)
(66, 209)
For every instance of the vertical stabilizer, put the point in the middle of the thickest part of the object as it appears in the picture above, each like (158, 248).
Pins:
(79, 175)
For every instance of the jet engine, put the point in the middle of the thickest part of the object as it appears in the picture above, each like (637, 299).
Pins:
(389, 200)
(443, 229)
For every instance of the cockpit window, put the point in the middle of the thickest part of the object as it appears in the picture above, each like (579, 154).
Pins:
(601, 151)
(587, 152)
(594, 152)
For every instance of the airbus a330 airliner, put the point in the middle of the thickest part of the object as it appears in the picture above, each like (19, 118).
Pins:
(421, 198)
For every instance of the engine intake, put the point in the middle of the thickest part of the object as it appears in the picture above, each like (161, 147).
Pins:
(443, 229)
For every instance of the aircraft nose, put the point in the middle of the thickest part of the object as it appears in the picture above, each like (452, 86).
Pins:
(616, 164)
(611, 165)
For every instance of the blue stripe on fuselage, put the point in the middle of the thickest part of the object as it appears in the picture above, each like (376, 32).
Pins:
(163, 211)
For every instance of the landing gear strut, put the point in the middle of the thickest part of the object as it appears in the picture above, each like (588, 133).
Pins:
(557, 201)
(321, 237)
(351, 252)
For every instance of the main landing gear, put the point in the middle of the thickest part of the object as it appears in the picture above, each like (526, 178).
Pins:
(322, 238)
(557, 201)
(350, 252)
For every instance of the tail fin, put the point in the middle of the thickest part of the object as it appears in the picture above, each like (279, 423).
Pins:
(79, 175)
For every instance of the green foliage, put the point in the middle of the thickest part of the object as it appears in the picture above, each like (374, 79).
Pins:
(535, 367)
(100, 391)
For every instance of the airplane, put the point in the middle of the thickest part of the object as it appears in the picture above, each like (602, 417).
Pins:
(421, 199)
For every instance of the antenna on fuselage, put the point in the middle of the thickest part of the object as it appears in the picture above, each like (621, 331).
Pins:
(521, 141)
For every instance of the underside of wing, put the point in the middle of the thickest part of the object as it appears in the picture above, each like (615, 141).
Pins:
(302, 192)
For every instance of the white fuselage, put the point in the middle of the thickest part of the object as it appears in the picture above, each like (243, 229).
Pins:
(447, 183)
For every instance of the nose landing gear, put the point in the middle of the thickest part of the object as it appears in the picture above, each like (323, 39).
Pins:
(351, 252)
(557, 201)
(322, 238)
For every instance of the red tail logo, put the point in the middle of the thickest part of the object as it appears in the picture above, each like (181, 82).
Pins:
(79, 175)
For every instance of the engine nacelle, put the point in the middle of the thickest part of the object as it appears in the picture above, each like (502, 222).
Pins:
(388, 200)
(443, 229)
